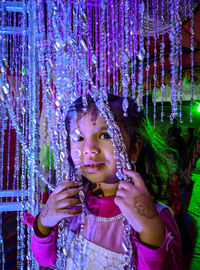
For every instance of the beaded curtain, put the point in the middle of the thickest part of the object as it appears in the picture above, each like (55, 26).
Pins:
(52, 52)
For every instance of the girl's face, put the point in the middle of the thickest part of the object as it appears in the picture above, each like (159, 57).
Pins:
(92, 148)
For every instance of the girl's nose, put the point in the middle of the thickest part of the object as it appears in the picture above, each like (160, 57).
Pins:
(91, 148)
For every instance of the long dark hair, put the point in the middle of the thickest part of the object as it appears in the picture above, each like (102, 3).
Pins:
(152, 163)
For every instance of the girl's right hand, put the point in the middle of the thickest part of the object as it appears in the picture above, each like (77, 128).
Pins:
(59, 205)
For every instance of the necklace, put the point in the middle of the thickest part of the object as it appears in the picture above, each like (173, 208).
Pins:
(102, 219)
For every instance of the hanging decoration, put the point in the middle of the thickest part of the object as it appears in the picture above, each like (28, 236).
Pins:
(51, 53)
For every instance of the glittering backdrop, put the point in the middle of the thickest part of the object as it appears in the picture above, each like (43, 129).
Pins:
(52, 52)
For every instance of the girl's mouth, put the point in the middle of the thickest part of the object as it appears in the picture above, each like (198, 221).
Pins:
(93, 167)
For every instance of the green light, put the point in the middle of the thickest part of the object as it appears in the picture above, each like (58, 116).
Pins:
(198, 108)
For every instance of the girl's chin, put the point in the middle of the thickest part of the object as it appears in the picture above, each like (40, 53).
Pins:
(100, 178)
(102, 182)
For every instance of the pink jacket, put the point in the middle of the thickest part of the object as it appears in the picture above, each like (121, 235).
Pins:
(168, 256)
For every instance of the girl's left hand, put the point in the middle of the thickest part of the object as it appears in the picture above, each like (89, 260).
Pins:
(138, 208)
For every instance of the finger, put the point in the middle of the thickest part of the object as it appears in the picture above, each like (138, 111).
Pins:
(123, 185)
(68, 202)
(71, 192)
(118, 200)
(121, 193)
(64, 185)
(70, 212)
(136, 177)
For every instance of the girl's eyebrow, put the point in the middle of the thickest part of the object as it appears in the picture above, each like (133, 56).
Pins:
(77, 131)
(100, 129)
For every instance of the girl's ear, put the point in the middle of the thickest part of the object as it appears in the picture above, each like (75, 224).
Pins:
(135, 151)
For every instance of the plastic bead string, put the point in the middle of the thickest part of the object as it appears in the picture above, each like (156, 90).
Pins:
(180, 94)
(155, 61)
(173, 36)
(162, 59)
(134, 60)
(191, 16)
(2, 127)
(8, 155)
(141, 55)
(147, 58)
(180, 77)
(4, 66)
(78, 48)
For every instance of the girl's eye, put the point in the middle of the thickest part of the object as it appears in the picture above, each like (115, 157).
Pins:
(104, 135)
(77, 138)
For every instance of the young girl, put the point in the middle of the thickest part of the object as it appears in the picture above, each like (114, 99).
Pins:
(155, 239)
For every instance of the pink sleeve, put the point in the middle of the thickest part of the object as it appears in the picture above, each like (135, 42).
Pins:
(168, 256)
(44, 248)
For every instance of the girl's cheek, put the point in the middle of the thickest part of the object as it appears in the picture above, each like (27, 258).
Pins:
(76, 156)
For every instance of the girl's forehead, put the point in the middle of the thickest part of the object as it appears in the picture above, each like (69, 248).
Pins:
(91, 117)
